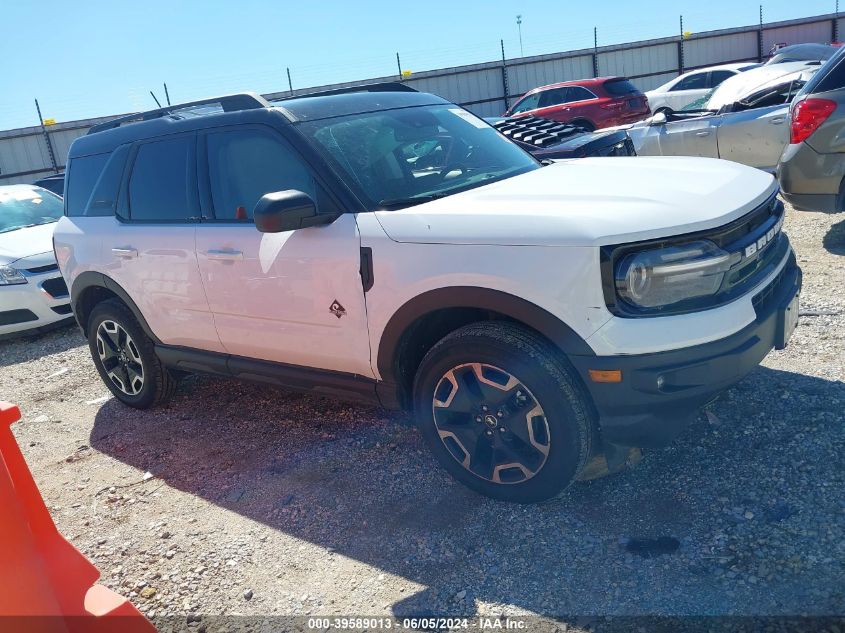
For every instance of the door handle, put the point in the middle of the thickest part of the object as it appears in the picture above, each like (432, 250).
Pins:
(703, 133)
(224, 255)
(777, 120)
(126, 252)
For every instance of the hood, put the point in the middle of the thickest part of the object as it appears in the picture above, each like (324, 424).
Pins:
(33, 240)
(746, 84)
(588, 202)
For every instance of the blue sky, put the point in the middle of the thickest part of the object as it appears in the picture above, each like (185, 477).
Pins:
(94, 57)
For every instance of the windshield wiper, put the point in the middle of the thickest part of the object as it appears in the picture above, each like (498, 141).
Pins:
(398, 203)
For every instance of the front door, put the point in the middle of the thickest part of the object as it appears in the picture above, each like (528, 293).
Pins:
(294, 297)
(694, 136)
(755, 137)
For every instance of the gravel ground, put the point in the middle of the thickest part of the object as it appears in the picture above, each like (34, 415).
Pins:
(243, 499)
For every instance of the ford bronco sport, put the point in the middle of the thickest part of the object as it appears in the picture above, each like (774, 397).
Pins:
(385, 244)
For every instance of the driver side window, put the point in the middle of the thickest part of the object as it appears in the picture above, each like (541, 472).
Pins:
(693, 82)
(244, 165)
(528, 103)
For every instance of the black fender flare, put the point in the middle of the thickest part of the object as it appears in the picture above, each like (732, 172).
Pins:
(91, 279)
(532, 315)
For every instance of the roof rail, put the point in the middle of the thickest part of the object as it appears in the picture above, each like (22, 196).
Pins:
(384, 86)
(228, 103)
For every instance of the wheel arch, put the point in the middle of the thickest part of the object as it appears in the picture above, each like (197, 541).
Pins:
(422, 321)
(91, 288)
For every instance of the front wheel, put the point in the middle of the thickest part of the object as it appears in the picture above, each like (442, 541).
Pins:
(125, 357)
(503, 412)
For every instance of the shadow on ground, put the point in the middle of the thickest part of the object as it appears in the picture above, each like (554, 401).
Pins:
(834, 239)
(746, 493)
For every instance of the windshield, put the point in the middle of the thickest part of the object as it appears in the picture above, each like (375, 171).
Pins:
(23, 205)
(397, 158)
(701, 102)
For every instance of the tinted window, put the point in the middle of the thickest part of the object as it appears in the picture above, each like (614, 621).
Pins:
(718, 76)
(577, 93)
(158, 188)
(83, 173)
(246, 164)
(56, 185)
(693, 82)
(23, 205)
(618, 87)
(554, 97)
(528, 103)
(104, 199)
(831, 76)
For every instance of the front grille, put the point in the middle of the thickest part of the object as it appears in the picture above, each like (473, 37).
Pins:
(769, 212)
(56, 288)
(13, 317)
(43, 269)
(65, 309)
(761, 300)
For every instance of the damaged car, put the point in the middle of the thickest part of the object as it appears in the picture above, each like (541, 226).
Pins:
(744, 120)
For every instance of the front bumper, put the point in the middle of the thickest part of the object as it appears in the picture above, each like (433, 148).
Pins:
(661, 392)
(41, 303)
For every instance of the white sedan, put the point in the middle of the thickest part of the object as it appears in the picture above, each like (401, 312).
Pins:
(686, 88)
(744, 120)
(33, 294)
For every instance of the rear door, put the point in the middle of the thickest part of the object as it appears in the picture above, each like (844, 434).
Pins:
(150, 250)
(294, 297)
(552, 105)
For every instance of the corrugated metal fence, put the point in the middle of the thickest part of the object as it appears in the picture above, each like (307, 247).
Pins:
(488, 89)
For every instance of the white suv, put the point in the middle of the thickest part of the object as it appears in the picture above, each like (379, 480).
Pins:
(388, 245)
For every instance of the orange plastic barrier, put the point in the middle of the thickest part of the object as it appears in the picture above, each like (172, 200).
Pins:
(46, 584)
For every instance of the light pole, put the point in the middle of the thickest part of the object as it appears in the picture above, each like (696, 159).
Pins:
(519, 26)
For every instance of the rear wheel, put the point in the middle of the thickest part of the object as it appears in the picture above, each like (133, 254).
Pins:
(503, 412)
(125, 357)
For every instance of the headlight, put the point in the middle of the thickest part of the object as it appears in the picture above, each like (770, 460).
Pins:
(666, 276)
(10, 276)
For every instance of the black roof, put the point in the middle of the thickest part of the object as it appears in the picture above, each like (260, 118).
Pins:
(311, 108)
(246, 108)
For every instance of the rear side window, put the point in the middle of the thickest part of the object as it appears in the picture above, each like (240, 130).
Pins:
(718, 76)
(83, 174)
(831, 76)
(554, 97)
(578, 93)
(244, 165)
(619, 87)
(104, 198)
(158, 186)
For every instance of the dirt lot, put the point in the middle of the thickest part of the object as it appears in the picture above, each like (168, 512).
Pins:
(260, 501)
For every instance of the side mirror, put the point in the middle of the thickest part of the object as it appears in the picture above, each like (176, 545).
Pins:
(658, 119)
(288, 210)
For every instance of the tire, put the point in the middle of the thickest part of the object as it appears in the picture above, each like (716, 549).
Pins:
(489, 450)
(125, 357)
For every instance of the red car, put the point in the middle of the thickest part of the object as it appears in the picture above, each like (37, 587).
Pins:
(590, 103)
